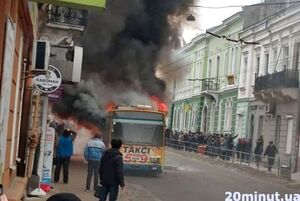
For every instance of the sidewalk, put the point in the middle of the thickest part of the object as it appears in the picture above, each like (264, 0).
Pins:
(76, 185)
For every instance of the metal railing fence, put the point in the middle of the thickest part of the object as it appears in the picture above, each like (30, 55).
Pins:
(281, 164)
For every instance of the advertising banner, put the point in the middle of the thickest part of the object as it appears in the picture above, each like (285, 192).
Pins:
(138, 154)
(48, 155)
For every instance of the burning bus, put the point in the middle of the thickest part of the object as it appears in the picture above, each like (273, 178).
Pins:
(141, 128)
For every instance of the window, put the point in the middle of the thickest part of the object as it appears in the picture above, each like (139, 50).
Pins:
(266, 63)
(190, 120)
(217, 66)
(220, 116)
(275, 64)
(297, 55)
(212, 117)
(226, 64)
(209, 69)
(193, 121)
(277, 130)
(245, 67)
(232, 60)
(285, 57)
(260, 125)
(289, 139)
(228, 114)
(235, 59)
(257, 64)
(174, 119)
(197, 71)
(186, 120)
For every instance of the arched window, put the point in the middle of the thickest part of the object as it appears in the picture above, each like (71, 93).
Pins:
(209, 68)
(220, 116)
(212, 117)
(228, 114)
(174, 119)
(217, 66)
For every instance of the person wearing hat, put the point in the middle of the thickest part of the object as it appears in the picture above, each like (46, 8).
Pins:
(63, 197)
(64, 151)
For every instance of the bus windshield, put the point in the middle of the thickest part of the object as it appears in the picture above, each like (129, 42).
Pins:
(138, 128)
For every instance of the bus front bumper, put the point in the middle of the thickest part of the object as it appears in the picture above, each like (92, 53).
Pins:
(143, 168)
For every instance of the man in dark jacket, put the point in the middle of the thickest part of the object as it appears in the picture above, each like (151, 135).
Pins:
(271, 151)
(259, 149)
(111, 172)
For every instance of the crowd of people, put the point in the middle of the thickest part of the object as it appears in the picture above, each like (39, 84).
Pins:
(222, 146)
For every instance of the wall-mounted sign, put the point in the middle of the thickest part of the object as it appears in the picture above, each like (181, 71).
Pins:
(57, 95)
(49, 82)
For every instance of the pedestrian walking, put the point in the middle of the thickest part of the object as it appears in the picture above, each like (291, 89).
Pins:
(63, 197)
(64, 151)
(259, 148)
(2, 195)
(270, 152)
(111, 172)
(93, 153)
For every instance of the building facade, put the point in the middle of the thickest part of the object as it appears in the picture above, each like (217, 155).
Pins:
(17, 32)
(202, 80)
(269, 83)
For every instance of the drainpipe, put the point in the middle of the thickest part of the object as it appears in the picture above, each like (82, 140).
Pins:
(296, 153)
(34, 134)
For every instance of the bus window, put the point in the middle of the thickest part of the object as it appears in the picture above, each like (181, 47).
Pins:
(132, 133)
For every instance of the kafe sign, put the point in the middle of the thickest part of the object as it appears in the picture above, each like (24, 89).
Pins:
(50, 82)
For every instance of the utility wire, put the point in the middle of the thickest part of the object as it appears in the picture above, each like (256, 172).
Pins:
(232, 40)
(193, 53)
(236, 32)
(239, 6)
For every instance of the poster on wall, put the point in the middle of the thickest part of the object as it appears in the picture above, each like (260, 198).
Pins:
(9, 46)
(48, 155)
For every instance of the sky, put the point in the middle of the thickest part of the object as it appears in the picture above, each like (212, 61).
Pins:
(207, 18)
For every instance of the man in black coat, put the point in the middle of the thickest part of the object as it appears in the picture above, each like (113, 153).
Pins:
(111, 172)
(270, 152)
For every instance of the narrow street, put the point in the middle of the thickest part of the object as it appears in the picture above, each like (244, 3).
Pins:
(185, 178)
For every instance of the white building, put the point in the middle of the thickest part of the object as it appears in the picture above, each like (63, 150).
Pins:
(269, 82)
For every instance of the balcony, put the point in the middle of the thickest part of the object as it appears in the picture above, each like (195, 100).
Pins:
(207, 87)
(283, 79)
(210, 88)
(67, 18)
(210, 84)
(278, 86)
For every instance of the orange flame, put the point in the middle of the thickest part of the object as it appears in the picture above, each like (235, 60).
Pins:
(161, 106)
(110, 107)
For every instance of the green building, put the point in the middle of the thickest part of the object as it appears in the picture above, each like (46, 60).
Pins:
(202, 80)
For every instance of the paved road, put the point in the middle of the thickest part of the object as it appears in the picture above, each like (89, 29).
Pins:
(191, 179)
(186, 178)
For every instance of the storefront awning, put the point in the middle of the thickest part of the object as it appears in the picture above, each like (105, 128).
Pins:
(76, 3)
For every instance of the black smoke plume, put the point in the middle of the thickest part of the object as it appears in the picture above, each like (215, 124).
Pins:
(122, 46)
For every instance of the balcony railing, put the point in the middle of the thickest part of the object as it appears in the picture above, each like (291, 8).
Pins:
(68, 17)
(283, 79)
(210, 84)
